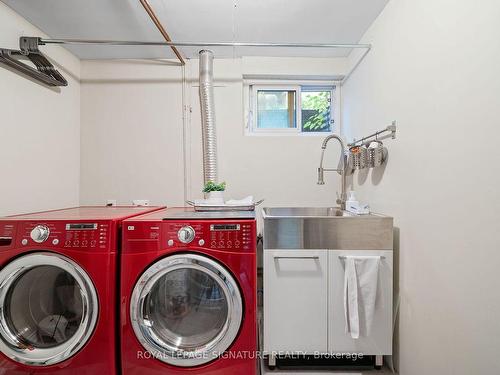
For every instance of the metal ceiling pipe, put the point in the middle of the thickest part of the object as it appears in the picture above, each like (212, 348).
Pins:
(208, 116)
(198, 44)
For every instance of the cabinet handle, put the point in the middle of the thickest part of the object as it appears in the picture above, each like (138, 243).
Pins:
(297, 257)
(375, 256)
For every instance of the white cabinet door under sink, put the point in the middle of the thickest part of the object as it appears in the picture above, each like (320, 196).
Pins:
(380, 339)
(295, 300)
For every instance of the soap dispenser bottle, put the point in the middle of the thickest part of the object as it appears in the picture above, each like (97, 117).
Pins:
(352, 203)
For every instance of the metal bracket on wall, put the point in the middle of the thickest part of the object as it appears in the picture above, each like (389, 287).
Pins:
(390, 131)
(45, 72)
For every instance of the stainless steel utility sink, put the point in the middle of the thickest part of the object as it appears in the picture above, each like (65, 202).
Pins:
(325, 228)
(275, 212)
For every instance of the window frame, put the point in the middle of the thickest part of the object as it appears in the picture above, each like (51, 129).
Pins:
(252, 87)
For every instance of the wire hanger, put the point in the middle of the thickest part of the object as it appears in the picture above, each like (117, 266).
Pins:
(45, 72)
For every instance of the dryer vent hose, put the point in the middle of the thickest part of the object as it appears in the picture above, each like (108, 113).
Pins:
(208, 116)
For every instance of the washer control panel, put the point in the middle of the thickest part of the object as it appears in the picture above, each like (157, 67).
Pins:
(234, 235)
(7, 234)
(86, 235)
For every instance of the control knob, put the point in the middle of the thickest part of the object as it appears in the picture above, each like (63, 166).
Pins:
(186, 234)
(40, 233)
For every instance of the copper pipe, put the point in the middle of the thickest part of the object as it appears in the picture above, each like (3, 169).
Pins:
(160, 27)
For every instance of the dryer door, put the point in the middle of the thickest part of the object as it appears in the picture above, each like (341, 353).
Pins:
(48, 309)
(186, 310)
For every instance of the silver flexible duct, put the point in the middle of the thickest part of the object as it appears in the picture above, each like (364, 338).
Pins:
(208, 116)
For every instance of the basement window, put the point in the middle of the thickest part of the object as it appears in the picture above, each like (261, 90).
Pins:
(297, 109)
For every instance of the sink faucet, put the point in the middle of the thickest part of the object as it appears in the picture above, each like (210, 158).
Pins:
(342, 169)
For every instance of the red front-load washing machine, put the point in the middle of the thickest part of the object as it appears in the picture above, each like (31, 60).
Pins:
(188, 294)
(58, 290)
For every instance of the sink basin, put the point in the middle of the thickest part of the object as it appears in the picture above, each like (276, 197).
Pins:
(305, 212)
(325, 228)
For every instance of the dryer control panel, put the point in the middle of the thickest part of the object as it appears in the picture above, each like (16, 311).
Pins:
(234, 235)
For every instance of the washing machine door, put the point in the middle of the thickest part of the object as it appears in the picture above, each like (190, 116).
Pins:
(48, 309)
(186, 310)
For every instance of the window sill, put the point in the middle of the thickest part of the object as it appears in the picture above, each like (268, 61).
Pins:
(288, 134)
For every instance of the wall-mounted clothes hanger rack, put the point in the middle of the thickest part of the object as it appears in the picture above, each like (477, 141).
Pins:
(45, 72)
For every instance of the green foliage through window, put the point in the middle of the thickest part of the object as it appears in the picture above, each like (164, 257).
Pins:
(316, 111)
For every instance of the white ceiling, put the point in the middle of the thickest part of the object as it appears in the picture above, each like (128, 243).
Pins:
(320, 21)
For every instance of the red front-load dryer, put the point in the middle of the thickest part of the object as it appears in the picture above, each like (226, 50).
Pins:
(58, 290)
(188, 294)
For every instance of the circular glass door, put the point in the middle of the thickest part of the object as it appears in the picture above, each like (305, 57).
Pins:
(186, 310)
(49, 309)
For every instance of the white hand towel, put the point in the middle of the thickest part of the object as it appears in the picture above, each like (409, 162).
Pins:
(360, 293)
(247, 201)
(204, 202)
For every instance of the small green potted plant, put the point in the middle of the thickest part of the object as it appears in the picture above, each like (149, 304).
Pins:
(215, 192)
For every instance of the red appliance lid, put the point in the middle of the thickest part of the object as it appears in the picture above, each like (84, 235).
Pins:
(188, 213)
(87, 213)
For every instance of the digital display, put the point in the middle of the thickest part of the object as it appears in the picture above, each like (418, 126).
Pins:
(222, 227)
(81, 226)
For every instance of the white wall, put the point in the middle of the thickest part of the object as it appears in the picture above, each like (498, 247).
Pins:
(131, 132)
(132, 135)
(435, 69)
(39, 130)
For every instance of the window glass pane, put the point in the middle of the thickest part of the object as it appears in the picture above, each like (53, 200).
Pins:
(276, 109)
(316, 110)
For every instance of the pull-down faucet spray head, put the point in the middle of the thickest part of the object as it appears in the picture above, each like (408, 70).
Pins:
(321, 170)
(321, 180)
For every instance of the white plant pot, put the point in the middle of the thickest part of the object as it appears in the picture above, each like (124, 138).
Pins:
(216, 197)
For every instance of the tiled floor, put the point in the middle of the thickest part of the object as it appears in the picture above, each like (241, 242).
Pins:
(266, 371)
